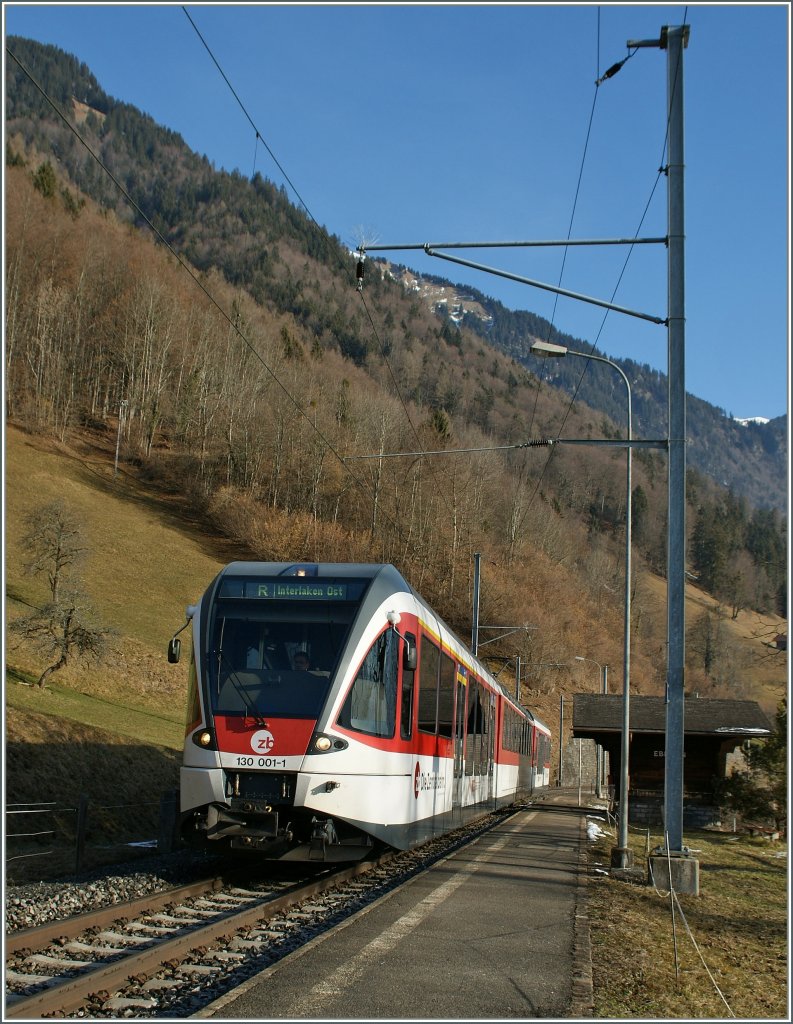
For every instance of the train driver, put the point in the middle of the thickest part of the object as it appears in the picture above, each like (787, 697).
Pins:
(300, 662)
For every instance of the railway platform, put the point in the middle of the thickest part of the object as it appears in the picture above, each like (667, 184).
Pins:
(497, 930)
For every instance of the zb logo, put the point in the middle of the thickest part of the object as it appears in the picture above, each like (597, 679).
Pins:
(262, 741)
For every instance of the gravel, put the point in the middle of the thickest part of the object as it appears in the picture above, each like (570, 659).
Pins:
(37, 903)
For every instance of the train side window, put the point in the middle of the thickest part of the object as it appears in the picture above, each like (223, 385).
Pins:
(429, 664)
(408, 679)
(446, 696)
(370, 706)
(483, 757)
(474, 727)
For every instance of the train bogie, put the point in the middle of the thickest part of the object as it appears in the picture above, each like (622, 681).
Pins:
(331, 709)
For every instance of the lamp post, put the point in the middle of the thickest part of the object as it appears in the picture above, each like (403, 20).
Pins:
(604, 676)
(604, 671)
(620, 855)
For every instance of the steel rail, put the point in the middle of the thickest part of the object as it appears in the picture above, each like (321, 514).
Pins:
(71, 927)
(70, 995)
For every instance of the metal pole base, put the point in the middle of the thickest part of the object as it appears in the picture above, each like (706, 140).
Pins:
(621, 857)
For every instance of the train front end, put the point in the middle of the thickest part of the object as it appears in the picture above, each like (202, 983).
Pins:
(269, 645)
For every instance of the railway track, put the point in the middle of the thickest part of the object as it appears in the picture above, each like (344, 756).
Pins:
(172, 953)
(89, 961)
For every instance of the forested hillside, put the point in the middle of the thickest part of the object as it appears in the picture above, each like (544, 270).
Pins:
(252, 233)
(249, 373)
(747, 458)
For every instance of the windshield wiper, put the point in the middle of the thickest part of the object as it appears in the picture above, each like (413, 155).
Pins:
(240, 688)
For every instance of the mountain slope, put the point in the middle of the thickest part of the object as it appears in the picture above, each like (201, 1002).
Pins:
(149, 555)
(252, 385)
(749, 457)
(260, 241)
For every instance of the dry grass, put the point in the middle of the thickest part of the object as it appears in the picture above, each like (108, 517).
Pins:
(738, 922)
(143, 565)
(112, 730)
(764, 674)
(122, 717)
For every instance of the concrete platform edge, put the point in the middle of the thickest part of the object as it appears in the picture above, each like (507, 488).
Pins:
(582, 1000)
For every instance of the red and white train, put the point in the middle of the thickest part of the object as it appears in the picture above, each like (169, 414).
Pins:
(331, 709)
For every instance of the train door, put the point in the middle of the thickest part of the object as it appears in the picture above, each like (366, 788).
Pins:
(461, 690)
(489, 738)
(533, 758)
(408, 686)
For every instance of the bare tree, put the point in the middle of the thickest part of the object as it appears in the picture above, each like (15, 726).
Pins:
(54, 542)
(66, 626)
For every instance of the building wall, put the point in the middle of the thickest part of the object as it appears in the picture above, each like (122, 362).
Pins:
(570, 765)
(646, 810)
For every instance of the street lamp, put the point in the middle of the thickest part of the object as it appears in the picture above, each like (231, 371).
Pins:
(620, 856)
(604, 670)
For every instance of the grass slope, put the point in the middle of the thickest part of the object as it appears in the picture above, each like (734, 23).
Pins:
(724, 956)
(111, 730)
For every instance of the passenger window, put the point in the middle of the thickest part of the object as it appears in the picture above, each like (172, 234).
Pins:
(428, 686)
(370, 706)
(446, 697)
(480, 744)
(474, 728)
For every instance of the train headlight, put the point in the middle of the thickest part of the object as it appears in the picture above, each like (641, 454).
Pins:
(204, 738)
(321, 744)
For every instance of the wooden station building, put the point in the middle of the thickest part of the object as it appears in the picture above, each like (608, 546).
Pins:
(713, 731)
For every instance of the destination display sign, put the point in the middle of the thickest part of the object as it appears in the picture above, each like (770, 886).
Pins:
(292, 589)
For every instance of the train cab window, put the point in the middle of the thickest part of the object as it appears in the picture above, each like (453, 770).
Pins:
(446, 696)
(254, 631)
(257, 670)
(370, 706)
(408, 679)
(429, 665)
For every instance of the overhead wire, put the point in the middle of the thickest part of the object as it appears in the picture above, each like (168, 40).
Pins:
(662, 170)
(598, 82)
(552, 452)
(245, 112)
(397, 390)
(609, 73)
(370, 318)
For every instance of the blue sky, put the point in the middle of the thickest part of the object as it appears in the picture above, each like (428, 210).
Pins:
(468, 122)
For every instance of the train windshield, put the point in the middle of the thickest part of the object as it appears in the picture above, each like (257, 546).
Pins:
(275, 643)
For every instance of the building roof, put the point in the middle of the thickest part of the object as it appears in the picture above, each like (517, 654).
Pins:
(602, 713)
